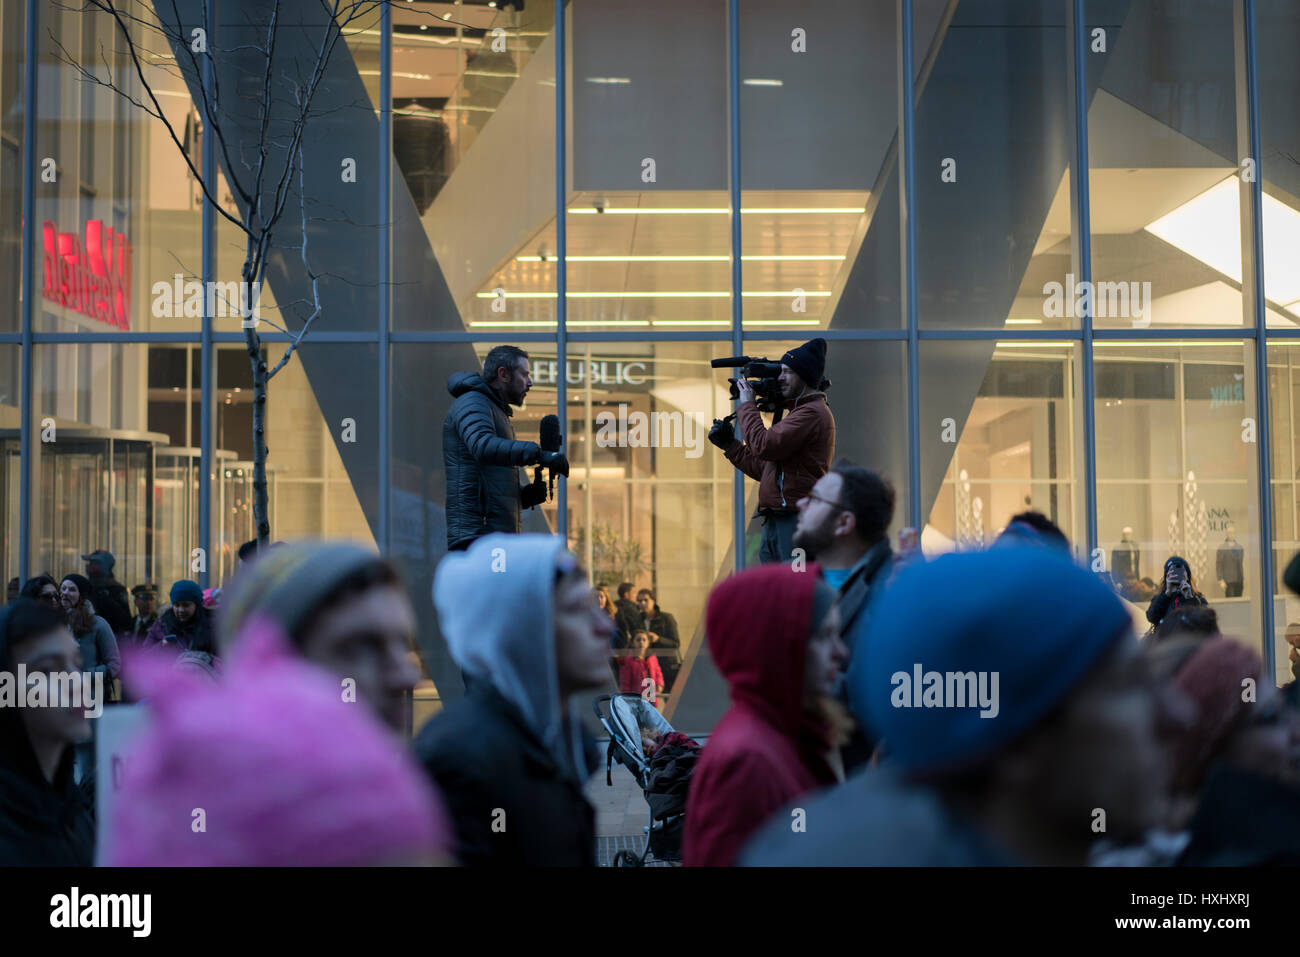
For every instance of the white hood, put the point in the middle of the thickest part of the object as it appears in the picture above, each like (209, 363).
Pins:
(496, 608)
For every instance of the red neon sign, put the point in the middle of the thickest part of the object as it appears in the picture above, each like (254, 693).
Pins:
(92, 278)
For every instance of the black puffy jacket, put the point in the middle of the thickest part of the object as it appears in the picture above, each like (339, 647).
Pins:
(511, 804)
(482, 458)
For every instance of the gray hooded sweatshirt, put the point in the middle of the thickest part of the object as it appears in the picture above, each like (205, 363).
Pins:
(506, 740)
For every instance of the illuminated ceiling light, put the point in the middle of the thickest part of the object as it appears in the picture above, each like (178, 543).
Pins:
(550, 323)
(425, 26)
(782, 322)
(1206, 227)
(680, 259)
(691, 322)
(674, 294)
(1024, 322)
(487, 73)
(1164, 343)
(621, 80)
(758, 81)
(1035, 344)
(400, 76)
(717, 210)
(783, 293)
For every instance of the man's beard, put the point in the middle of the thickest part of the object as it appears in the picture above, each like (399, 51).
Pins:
(813, 540)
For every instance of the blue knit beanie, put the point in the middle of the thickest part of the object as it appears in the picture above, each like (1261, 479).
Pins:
(963, 654)
(186, 590)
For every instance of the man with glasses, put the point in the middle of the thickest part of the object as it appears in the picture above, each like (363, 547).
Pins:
(843, 525)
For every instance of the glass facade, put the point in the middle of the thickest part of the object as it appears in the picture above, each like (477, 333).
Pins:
(1062, 278)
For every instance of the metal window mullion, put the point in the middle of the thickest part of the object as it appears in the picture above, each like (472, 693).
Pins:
(206, 358)
(1255, 255)
(907, 237)
(1082, 236)
(29, 293)
(737, 305)
(562, 265)
(385, 268)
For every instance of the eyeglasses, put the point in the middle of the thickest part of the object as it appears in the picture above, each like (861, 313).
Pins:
(811, 496)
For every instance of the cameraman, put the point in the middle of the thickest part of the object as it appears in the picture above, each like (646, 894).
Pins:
(481, 454)
(793, 454)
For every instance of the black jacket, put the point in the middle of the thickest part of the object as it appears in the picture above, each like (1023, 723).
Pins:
(1164, 603)
(493, 769)
(661, 624)
(111, 603)
(1244, 820)
(482, 458)
(865, 581)
(42, 824)
(873, 567)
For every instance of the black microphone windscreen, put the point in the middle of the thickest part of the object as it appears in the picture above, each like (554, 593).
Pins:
(550, 433)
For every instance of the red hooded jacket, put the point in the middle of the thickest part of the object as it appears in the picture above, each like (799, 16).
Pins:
(766, 750)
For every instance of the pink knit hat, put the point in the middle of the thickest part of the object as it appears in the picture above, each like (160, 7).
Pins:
(282, 769)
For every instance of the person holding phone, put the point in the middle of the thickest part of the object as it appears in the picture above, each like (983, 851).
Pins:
(1179, 591)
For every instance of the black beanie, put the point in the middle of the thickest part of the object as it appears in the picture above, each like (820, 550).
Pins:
(808, 361)
(82, 583)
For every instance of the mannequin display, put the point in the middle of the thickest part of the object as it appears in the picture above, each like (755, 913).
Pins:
(1229, 565)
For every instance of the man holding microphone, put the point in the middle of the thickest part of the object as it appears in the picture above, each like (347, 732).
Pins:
(788, 458)
(481, 454)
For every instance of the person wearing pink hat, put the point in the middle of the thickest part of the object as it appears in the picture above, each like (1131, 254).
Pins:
(268, 767)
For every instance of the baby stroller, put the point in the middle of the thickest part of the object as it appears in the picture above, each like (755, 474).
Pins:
(623, 716)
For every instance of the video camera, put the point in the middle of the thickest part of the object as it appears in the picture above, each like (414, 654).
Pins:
(762, 376)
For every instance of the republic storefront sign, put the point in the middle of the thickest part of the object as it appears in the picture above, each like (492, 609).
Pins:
(90, 276)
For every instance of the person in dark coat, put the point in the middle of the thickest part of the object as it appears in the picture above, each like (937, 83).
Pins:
(626, 613)
(844, 526)
(106, 593)
(481, 455)
(1179, 591)
(650, 617)
(774, 634)
(512, 756)
(46, 819)
(146, 607)
(186, 626)
(1006, 719)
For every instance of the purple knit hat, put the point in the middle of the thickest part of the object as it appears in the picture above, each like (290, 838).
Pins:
(284, 771)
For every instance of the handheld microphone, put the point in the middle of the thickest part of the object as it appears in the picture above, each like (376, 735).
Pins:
(550, 440)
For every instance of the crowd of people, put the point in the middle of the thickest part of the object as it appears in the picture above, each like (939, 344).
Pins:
(984, 707)
(868, 723)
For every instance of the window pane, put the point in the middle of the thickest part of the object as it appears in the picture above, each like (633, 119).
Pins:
(1279, 89)
(1176, 465)
(997, 438)
(13, 110)
(650, 499)
(648, 213)
(474, 139)
(93, 481)
(1162, 139)
(1284, 402)
(812, 219)
(123, 211)
(992, 169)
